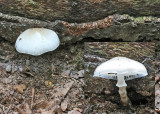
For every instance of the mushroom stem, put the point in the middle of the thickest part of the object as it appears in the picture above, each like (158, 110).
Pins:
(123, 94)
(122, 89)
(120, 81)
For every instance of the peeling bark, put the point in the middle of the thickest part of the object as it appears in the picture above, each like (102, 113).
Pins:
(124, 27)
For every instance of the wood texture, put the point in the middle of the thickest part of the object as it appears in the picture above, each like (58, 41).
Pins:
(78, 10)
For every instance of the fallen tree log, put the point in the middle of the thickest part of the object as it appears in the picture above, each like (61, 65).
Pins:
(78, 10)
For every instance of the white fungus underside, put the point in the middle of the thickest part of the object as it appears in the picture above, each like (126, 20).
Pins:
(37, 41)
(121, 65)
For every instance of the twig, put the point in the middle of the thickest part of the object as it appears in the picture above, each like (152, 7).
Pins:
(33, 93)
(22, 19)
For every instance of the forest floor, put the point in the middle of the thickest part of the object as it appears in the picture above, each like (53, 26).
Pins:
(53, 83)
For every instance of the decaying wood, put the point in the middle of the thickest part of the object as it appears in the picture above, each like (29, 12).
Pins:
(78, 10)
(127, 28)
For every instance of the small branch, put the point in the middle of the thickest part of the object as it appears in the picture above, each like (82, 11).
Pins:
(33, 93)
(22, 19)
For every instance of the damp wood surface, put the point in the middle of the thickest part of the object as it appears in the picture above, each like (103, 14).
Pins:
(124, 27)
(78, 10)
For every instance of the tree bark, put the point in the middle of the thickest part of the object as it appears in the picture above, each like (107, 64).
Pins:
(111, 28)
(78, 10)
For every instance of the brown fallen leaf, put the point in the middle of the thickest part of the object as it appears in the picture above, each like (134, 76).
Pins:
(5, 99)
(40, 105)
(59, 94)
(19, 88)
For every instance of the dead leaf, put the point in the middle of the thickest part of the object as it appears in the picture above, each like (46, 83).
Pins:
(66, 73)
(6, 80)
(19, 88)
(41, 105)
(64, 105)
(59, 94)
(62, 90)
(5, 99)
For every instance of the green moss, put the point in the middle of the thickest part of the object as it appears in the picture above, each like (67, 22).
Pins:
(32, 3)
(143, 19)
(139, 19)
(151, 2)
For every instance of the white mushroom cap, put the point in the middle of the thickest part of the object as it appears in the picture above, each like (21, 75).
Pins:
(121, 68)
(36, 41)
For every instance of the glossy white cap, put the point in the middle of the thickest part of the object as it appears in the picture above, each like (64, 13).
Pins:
(36, 41)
